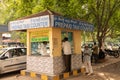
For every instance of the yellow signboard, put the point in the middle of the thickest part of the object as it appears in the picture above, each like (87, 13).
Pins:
(42, 33)
(39, 36)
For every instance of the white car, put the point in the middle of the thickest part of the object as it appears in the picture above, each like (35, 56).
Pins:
(12, 59)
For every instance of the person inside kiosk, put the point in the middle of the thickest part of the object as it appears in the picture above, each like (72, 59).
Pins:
(40, 48)
(43, 48)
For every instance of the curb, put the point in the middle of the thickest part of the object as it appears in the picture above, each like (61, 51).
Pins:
(54, 77)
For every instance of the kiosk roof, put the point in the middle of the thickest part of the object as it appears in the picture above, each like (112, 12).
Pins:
(49, 19)
(46, 12)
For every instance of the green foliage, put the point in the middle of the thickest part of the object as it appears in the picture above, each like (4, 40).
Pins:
(104, 14)
(20, 8)
(23, 37)
(18, 35)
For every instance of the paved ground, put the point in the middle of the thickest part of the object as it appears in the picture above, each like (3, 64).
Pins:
(108, 70)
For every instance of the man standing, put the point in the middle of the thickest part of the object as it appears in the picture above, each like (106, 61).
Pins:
(87, 60)
(67, 54)
(95, 52)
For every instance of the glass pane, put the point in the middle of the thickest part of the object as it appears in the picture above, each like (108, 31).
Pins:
(40, 42)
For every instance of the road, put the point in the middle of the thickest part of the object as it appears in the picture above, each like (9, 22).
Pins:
(9, 76)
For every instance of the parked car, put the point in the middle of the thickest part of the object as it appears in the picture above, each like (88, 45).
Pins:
(12, 59)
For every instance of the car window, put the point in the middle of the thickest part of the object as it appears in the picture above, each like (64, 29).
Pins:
(8, 54)
(16, 52)
(19, 52)
(22, 51)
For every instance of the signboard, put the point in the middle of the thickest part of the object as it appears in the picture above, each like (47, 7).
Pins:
(72, 24)
(40, 39)
(40, 36)
(56, 21)
(36, 22)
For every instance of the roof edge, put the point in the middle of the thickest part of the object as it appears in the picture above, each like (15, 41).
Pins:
(42, 13)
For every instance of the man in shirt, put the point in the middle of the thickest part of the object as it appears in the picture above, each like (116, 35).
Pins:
(67, 54)
(95, 52)
(87, 60)
(43, 49)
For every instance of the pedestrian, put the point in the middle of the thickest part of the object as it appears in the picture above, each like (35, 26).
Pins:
(43, 48)
(66, 46)
(87, 60)
(95, 53)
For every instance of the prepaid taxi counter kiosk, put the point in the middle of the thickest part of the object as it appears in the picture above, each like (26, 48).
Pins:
(51, 28)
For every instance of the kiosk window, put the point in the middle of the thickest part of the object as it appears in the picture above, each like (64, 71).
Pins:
(40, 42)
(40, 48)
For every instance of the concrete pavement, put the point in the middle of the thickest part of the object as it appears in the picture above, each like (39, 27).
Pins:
(99, 74)
(99, 71)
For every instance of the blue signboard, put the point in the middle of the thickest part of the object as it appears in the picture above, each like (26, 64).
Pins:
(72, 24)
(56, 21)
(36, 22)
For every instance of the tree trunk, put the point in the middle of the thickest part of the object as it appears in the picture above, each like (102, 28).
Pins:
(101, 41)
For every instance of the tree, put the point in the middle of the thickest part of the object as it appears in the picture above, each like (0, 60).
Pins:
(103, 13)
(18, 35)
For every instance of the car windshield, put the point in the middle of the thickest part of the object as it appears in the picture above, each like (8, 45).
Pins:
(2, 50)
